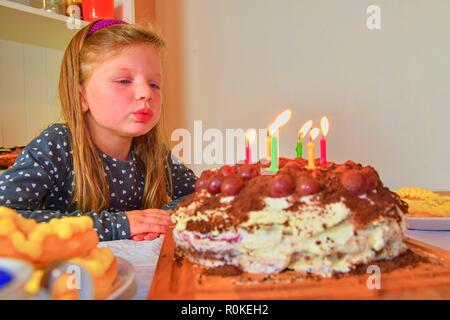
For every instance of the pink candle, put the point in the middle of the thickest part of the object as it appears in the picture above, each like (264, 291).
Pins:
(323, 151)
(249, 139)
(324, 124)
(248, 154)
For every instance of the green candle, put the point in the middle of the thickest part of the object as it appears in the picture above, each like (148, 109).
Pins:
(299, 148)
(274, 156)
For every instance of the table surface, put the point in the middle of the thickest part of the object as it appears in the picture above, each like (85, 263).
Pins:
(144, 255)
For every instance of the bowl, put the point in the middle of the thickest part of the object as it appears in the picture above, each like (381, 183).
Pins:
(16, 274)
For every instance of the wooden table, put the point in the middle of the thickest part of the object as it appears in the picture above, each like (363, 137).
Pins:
(186, 281)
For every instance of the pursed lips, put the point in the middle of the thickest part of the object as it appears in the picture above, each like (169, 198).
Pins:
(144, 111)
(143, 114)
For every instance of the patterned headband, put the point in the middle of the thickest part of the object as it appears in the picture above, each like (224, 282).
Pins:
(100, 24)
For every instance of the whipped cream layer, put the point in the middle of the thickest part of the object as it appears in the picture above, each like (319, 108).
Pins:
(316, 238)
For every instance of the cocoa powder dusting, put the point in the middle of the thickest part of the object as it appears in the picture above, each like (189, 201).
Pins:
(223, 271)
(378, 200)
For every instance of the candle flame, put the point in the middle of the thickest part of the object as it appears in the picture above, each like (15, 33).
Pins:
(314, 133)
(305, 129)
(280, 121)
(324, 125)
(250, 136)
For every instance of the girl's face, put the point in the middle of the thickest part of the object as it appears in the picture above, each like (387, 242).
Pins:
(123, 95)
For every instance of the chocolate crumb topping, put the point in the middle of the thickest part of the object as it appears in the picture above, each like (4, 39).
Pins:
(178, 256)
(364, 194)
(224, 271)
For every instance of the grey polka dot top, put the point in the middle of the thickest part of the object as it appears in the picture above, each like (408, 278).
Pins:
(40, 183)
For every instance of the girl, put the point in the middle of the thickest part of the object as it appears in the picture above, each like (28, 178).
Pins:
(108, 161)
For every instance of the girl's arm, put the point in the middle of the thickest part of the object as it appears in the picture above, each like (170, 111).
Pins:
(34, 186)
(183, 179)
(25, 189)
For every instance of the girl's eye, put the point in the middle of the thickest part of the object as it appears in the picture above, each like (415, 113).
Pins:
(123, 81)
(154, 85)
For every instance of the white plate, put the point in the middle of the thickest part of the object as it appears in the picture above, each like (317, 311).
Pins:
(21, 272)
(437, 224)
(124, 282)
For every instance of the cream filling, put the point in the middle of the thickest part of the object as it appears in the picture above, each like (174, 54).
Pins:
(320, 239)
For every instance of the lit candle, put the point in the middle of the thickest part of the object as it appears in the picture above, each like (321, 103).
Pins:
(249, 139)
(301, 134)
(312, 135)
(323, 142)
(274, 153)
(268, 147)
(273, 131)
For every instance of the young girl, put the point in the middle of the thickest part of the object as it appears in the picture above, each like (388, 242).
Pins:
(108, 161)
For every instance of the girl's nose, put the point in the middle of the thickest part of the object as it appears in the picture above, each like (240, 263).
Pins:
(143, 91)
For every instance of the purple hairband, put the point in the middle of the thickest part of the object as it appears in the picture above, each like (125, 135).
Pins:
(100, 24)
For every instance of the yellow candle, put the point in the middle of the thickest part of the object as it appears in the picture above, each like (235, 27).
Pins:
(312, 135)
(311, 155)
(268, 145)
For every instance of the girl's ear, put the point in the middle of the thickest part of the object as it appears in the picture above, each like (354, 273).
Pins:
(84, 104)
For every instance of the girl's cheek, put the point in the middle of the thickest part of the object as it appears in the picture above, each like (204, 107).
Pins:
(157, 96)
(157, 102)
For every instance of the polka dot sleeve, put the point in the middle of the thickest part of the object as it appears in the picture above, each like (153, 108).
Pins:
(39, 185)
(27, 184)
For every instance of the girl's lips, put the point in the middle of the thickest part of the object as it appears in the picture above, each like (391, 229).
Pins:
(143, 115)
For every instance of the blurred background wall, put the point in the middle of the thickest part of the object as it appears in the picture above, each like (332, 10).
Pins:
(236, 64)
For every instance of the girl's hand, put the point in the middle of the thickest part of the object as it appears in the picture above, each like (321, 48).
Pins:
(146, 236)
(149, 221)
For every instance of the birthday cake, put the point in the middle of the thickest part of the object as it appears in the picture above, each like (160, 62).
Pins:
(323, 221)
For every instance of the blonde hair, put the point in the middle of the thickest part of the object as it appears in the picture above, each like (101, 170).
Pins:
(91, 189)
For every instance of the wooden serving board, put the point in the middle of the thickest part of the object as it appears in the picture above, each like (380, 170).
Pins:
(427, 280)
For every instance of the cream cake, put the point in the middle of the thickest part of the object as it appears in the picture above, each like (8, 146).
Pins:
(324, 221)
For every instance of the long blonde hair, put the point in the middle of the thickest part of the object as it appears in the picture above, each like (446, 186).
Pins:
(91, 190)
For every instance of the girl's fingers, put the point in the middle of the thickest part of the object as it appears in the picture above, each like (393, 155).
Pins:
(155, 228)
(151, 236)
(145, 236)
(156, 214)
(138, 237)
(164, 221)
(142, 228)
(158, 211)
(149, 221)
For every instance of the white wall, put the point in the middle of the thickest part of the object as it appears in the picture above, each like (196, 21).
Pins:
(28, 91)
(235, 64)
